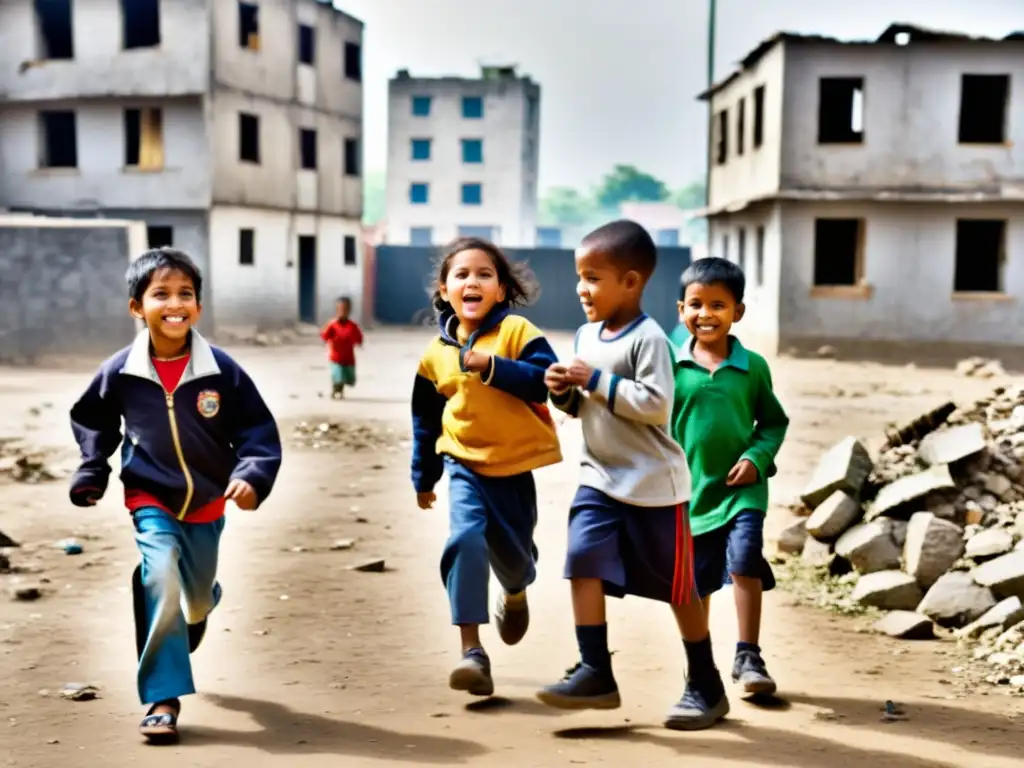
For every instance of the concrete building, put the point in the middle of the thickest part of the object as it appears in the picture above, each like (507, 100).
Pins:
(462, 158)
(233, 129)
(874, 192)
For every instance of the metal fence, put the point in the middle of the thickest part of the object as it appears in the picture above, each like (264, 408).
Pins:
(404, 277)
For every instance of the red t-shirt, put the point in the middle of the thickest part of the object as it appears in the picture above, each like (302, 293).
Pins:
(341, 337)
(170, 373)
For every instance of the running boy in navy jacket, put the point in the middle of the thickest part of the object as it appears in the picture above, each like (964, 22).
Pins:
(197, 433)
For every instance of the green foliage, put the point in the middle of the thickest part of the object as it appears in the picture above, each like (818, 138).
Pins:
(691, 196)
(628, 183)
(565, 206)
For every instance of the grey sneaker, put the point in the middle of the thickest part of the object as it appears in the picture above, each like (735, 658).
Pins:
(749, 671)
(583, 687)
(512, 616)
(699, 708)
(473, 674)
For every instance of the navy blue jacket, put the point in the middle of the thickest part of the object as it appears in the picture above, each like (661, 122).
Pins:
(182, 448)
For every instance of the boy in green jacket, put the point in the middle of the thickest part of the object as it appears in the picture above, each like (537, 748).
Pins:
(731, 426)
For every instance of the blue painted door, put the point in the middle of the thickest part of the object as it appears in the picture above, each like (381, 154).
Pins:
(307, 278)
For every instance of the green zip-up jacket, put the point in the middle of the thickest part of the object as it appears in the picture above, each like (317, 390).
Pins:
(720, 418)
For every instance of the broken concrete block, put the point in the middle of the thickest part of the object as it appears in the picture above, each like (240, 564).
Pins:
(26, 594)
(833, 516)
(998, 485)
(844, 467)
(816, 554)
(987, 544)
(955, 600)
(952, 445)
(370, 566)
(911, 488)
(1003, 615)
(342, 544)
(932, 546)
(898, 530)
(869, 548)
(888, 590)
(792, 537)
(906, 625)
(1004, 575)
(6, 541)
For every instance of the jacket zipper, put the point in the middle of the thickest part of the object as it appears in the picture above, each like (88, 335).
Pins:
(176, 439)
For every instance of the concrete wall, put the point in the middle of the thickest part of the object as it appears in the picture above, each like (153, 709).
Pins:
(759, 328)
(101, 66)
(909, 257)
(757, 171)
(911, 117)
(266, 293)
(508, 173)
(62, 288)
(101, 180)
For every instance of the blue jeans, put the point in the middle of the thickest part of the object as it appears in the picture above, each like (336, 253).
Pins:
(179, 569)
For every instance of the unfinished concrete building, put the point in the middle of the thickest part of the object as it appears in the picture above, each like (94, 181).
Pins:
(232, 128)
(874, 192)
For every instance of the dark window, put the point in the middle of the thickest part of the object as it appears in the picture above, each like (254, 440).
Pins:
(741, 126)
(419, 193)
(144, 138)
(472, 107)
(472, 194)
(141, 23)
(59, 139)
(741, 248)
(248, 138)
(841, 110)
(472, 150)
(980, 255)
(307, 44)
(307, 149)
(758, 116)
(420, 149)
(351, 157)
(983, 100)
(837, 248)
(549, 237)
(667, 237)
(159, 237)
(354, 62)
(421, 106)
(483, 232)
(249, 26)
(350, 251)
(421, 236)
(759, 255)
(247, 247)
(722, 137)
(725, 246)
(55, 29)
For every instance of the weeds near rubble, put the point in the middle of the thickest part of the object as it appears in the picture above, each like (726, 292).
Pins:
(814, 586)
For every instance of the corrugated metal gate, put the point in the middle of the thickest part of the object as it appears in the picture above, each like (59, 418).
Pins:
(404, 278)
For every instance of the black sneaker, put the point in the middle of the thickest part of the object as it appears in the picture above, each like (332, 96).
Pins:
(473, 674)
(583, 687)
(700, 707)
(749, 671)
(512, 616)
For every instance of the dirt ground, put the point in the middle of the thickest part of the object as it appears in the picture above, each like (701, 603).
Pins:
(308, 663)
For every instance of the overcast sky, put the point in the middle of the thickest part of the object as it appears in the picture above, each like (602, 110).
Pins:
(618, 77)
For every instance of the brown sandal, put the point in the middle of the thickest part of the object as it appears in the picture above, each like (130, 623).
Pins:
(162, 727)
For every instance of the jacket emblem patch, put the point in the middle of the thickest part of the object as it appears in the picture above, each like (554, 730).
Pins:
(208, 403)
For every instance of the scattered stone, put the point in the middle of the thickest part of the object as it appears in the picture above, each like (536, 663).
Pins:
(793, 536)
(27, 594)
(889, 590)
(7, 542)
(844, 467)
(827, 352)
(1004, 575)
(987, 544)
(70, 546)
(1004, 615)
(869, 547)
(370, 566)
(833, 516)
(906, 625)
(932, 547)
(342, 544)
(955, 600)
(79, 692)
(980, 368)
(952, 445)
(816, 553)
(5, 564)
(911, 488)
(348, 435)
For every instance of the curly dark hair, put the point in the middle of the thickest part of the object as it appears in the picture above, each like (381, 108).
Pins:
(520, 284)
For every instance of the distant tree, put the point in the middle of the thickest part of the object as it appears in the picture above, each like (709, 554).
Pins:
(566, 206)
(627, 183)
(691, 196)
(374, 197)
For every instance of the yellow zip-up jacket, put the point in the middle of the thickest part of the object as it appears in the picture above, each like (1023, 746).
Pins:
(495, 423)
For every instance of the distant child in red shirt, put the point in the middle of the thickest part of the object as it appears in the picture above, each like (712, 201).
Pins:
(342, 334)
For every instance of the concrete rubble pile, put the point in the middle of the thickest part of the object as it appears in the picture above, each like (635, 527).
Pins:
(932, 528)
(23, 464)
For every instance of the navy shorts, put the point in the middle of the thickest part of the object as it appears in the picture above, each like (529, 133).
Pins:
(737, 547)
(642, 551)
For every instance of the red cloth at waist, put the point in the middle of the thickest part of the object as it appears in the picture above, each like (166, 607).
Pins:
(207, 513)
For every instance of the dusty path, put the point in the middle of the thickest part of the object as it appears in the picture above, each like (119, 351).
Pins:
(350, 669)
